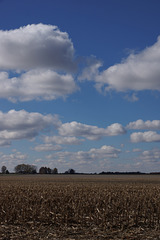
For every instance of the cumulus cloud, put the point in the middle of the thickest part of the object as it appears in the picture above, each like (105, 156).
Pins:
(137, 72)
(13, 159)
(103, 153)
(90, 132)
(14, 156)
(63, 140)
(4, 142)
(36, 84)
(69, 133)
(140, 124)
(91, 70)
(16, 125)
(150, 136)
(36, 46)
(36, 62)
(150, 155)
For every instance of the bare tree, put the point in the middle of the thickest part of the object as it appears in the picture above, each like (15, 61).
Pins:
(45, 170)
(70, 171)
(25, 168)
(3, 169)
(55, 171)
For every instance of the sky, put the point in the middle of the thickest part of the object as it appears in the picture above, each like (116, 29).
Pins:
(80, 84)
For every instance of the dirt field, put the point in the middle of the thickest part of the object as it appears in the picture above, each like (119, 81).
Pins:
(79, 207)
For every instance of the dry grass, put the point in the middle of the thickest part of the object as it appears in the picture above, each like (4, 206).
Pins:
(79, 207)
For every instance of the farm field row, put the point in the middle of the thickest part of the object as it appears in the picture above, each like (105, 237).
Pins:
(79, 207)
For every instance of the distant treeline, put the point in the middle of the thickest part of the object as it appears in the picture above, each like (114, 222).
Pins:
(32, 169)
(131, 173)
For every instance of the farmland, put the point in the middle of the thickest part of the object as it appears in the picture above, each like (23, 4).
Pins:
(79, 207)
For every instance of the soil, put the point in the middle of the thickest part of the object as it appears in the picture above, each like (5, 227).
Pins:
(43, 232)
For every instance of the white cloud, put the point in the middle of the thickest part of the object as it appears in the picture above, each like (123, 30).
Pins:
(23, 125)
(150, 155)
(131, 98)
(16, 125)
(4, 142)
(47, 147)
(91, 70)
(34, 60)
(38, 160)
(150, 136)
(13, 159)
(36, 84)
(140, 124)
(138, 72)
(63, 140)
(103, 153)
(115, 129)
(36, 46)
(90, 132)
(14, 156)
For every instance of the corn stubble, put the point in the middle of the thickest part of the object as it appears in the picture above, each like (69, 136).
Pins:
(92, 207)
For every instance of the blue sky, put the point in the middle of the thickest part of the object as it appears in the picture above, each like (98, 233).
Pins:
(79, 84)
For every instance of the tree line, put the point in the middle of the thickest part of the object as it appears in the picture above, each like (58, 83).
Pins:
(32, 169)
